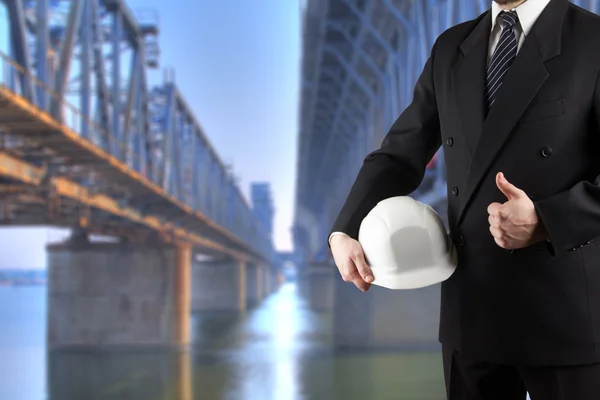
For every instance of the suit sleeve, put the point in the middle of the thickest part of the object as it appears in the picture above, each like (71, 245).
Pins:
(572, 217)
(397, 168)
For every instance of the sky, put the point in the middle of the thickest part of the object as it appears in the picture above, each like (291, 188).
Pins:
(237, 63)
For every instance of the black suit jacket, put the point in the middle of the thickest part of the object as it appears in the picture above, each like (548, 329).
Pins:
(540, 304)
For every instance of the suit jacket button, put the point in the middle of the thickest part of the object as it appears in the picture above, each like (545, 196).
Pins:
(461, 242)
(455, 191)
(546, 152)
(450, 142)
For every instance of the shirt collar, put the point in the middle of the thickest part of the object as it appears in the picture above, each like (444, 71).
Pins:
(528, 13)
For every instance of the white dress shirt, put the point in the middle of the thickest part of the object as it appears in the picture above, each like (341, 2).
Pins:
(528, 13)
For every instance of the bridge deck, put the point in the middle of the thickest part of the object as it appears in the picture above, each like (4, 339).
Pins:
(38, 140)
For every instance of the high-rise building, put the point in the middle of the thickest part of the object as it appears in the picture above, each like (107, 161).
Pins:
(262, 204)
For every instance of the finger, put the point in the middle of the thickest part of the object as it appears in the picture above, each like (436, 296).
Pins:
(361, 284)
(345, 276)
(493, 220)
(499, 242)
(347, 269)
(362, 267)
(351, 274)
(496, 232)
(493, 208)
(502, 213)
(510, 191)
(503, 242)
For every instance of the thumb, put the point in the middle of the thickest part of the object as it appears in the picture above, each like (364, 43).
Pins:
(363, 267)
(510, 191)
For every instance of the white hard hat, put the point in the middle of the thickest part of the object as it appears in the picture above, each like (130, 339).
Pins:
(406, 244)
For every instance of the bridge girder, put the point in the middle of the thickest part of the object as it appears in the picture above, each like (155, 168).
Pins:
(87, 71)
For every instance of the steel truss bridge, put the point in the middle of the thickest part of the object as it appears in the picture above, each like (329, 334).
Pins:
(360, 62)
(86, 143)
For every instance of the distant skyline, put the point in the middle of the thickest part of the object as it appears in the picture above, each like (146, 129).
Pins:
(237, 63)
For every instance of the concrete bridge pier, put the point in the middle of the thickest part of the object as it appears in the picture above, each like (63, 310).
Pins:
(269, 280)
(385, 319)
(219, 285)
(315, 283)
(266, 281)
(378, 319)
(103, 295)
(254, 284)
(229, 285)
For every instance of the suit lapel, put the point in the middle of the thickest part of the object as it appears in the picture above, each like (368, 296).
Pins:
(469, 80)
(520, 85)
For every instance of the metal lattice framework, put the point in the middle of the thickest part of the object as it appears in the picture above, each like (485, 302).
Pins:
(81, 67)
(361, 60)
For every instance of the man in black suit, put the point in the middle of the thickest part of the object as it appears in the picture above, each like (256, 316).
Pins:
(514, 98)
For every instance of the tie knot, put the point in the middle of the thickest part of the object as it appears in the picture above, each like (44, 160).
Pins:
(509, 19)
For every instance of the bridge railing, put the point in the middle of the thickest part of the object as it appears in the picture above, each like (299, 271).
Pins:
(218, 197)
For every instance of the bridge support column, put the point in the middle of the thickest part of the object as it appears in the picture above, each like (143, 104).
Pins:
(268, 280)
(315, 283)
(384, 318)
(255, 284)
(219, 286)
(118, 295)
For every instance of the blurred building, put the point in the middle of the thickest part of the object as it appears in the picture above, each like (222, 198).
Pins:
(262, 204)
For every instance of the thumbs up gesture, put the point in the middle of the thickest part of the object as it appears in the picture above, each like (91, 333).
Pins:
(515, 223)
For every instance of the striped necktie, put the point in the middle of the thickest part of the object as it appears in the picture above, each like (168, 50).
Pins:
(504, 54)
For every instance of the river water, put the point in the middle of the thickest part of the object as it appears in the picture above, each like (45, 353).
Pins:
(278, 351)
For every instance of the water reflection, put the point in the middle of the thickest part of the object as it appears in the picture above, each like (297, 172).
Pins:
(278, 351)
(263, 353)
(131, 376)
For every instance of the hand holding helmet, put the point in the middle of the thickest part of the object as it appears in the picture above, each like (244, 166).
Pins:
(402, 244)
(350, 260)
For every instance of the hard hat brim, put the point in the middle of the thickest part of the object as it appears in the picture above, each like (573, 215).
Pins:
(413, 280)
